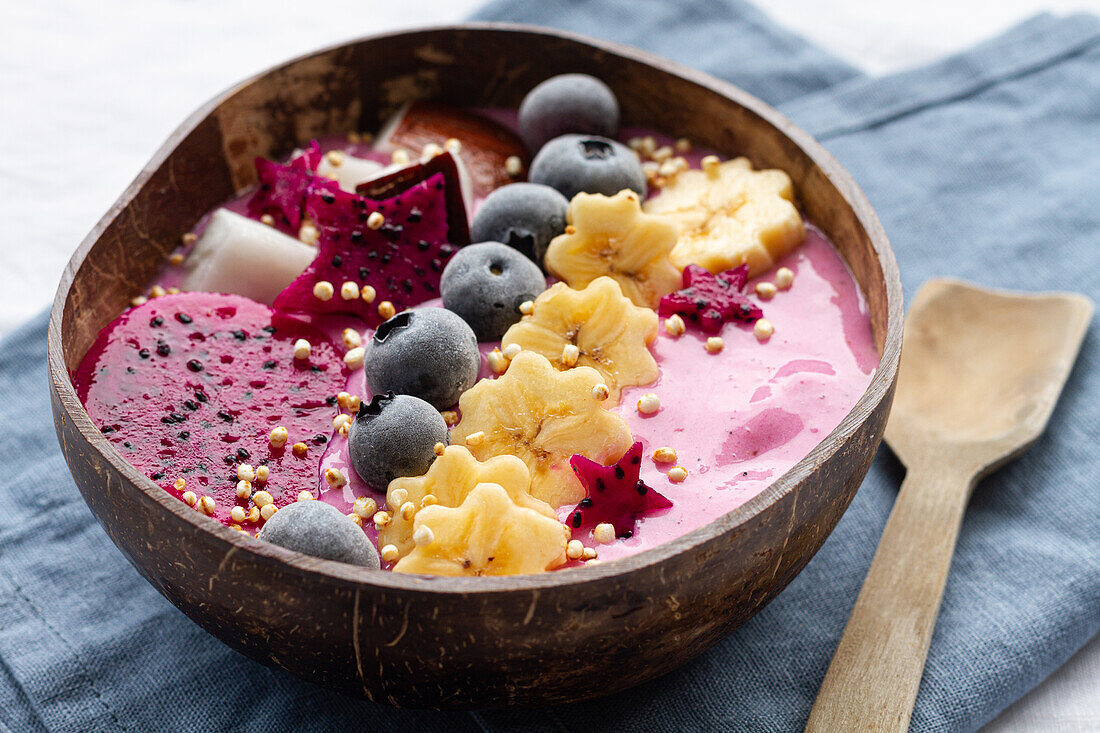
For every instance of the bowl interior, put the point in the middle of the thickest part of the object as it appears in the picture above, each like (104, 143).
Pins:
(356, 86)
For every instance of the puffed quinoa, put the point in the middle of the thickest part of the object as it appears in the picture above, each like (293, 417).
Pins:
(390, 553)
(784, 278)
(278, 437)
(368, 293)
(664, 455)
(323, 290)
(604, 533)
(763, 329)
(649, 403)
(766, 290)
(267, 511)
(574, 550)
(676, 474)
(675, 326)
(375, 220)
(189, 498)
(349, 291)
(352, 338)
(714, 344)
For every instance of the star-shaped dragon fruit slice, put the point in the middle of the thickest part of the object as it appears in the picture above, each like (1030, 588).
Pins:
(284, 188)
(711, 300)
(615, 493)
(402, 259)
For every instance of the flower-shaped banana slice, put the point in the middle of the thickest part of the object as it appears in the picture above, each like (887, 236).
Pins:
(729, 215)
(609, 235)
(542, 416)
(607, 331)
(451, 478)
(488, 534)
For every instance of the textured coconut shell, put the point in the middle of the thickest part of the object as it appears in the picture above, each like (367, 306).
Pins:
(452, 642)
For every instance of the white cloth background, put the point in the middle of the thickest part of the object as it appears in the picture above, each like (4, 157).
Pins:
(89, 90)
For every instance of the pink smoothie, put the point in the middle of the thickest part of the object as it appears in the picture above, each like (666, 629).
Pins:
(737, 419)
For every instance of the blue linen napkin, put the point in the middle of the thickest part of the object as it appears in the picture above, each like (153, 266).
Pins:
(985, 166)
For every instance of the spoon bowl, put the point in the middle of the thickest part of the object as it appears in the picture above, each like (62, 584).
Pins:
(982, 370)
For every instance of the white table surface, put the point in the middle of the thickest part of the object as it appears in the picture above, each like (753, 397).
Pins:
(89, 90)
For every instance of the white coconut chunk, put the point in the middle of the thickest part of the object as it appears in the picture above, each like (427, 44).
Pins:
(239, 255)
(350, 172)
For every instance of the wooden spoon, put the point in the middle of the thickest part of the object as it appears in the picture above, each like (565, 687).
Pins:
(980, 373)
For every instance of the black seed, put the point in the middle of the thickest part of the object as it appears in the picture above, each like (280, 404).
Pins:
(372, 255)
(270, 364)
(240, 335)
(183, 318)
(356, 236)
(600, 485)
(229, 460)
(418, 270)
(337, 260)
(157, 321)
(619, 472)
(422, 245)
(201, 396)
(107, 429)
(157, 476)
(328, 198)
(364, 273)
(626, 535)
(225, 416)
(184, 435)
(144, 353)
(194, 365)
(436, 265)
(131, 370)
(429, 287)
(191, 405)
(128, 444)
(319, 439)
(314, 368)
(330, 400)
(577, 519)
(636, 460)
(164, 349)
(446, 250)
(415, 215)
(585, 502)
(270, 329)
(386, 258)
(243, 454)
(641, 488)
(407, 285)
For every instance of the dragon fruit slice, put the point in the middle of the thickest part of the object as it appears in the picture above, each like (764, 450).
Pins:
(401, 180)
(615, 493)
(711, 300)
(191, 385)
(284, 188)
(402, 259)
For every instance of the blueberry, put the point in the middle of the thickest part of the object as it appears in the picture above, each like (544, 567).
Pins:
(485, 283)
(428, 353)
(575, 163)
(394, 436)
(568, 103)
(320, 529)
(525, 216)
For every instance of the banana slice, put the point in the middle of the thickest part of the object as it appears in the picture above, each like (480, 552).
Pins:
(544, 417)
(730, 214)
(451, 478)
(488, 534)
(610, 333)
(609, 235)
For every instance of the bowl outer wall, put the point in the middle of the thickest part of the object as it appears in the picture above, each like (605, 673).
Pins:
(460, 642)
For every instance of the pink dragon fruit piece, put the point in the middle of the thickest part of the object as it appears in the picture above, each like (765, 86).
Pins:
(402, 259)
(189, 386)
(402, 179)
(615, 493)
(709, 300)
(284, 188)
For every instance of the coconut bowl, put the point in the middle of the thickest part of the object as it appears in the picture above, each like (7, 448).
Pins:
(461, 642)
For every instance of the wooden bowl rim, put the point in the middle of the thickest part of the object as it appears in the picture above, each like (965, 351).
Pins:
(357, 577)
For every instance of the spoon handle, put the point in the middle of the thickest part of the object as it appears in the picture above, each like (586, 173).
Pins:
(874, 675)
